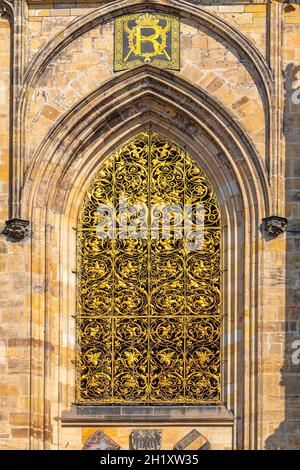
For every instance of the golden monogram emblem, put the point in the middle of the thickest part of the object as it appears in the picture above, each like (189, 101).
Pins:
(138, 38)
(146, 38)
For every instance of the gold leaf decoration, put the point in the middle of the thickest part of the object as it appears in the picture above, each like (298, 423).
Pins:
(148, 316)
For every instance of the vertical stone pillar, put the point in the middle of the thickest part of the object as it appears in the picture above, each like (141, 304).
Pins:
(15, 300)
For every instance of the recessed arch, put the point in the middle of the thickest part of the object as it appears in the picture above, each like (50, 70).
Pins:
(120, 100)
(70, 155)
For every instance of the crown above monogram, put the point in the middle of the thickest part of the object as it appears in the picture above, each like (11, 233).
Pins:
(147, 19)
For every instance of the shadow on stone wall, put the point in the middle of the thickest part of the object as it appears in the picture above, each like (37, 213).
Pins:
(287, 435)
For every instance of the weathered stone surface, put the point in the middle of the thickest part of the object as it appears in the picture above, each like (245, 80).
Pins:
(16, 229)
(100, 441)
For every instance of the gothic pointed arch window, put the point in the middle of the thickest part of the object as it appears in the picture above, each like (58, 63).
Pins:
(148, 309)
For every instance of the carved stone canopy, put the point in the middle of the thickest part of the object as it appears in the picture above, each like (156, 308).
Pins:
(274, 225)
(16, 230)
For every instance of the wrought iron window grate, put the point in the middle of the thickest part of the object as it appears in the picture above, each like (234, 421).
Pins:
(148, 312)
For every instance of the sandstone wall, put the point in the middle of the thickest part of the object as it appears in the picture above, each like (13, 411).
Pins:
(63, 69)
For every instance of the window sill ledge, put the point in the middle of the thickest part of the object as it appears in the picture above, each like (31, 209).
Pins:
(164, 415)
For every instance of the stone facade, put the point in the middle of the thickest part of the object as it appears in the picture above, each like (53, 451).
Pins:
(234, 106)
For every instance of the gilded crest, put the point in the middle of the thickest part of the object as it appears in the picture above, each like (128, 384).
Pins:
(146, 38)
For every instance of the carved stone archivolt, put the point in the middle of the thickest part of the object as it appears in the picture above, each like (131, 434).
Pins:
(105, 13)
(16, 230)
(257, 195)
(201, 106)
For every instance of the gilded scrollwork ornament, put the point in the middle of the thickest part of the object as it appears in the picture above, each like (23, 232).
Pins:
(149, 306)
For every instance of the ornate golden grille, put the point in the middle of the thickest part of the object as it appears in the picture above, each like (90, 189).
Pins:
(148, 319)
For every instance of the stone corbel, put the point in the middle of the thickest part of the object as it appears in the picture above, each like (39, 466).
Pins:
(7, 9)
(16, 230)
(274, 226)
(288, 6)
